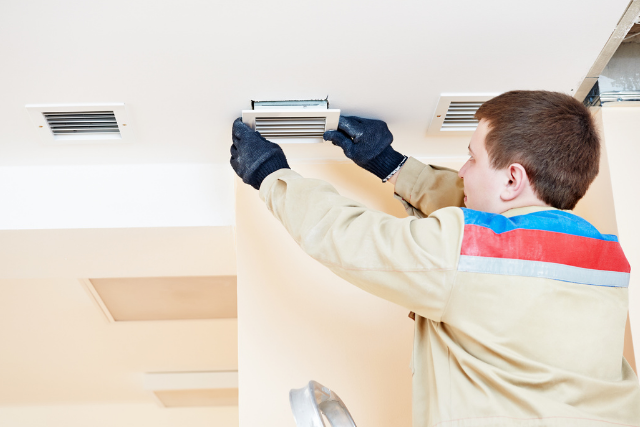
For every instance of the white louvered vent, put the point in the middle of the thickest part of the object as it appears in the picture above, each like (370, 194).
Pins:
(82, 123)
(460, 116)
(455, 113)
(292, 121)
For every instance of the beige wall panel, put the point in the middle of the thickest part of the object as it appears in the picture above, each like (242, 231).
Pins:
(136, 415)
(117, 252)
(622, 138)
(58, 348)
(297, 321)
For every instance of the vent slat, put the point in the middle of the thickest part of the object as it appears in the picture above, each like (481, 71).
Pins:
(289, 122)
(62, 113)
(71, 131)
(298, 125)
(294, 128)
(67, 127)
(292, 135)
(82, 122)
(290, 118)
(64, 119)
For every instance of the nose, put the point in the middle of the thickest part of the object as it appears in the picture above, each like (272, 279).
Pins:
(463, 169)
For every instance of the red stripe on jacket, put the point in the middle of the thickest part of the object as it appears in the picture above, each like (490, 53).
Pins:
(545, 246)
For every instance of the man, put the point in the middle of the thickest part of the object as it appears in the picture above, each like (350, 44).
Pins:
(520, 305)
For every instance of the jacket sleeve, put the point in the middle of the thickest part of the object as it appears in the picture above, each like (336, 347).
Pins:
(409, 261)
(424, 189)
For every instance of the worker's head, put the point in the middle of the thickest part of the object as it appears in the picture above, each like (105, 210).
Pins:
(531, 148)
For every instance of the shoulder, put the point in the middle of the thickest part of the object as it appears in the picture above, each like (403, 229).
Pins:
(548, 220)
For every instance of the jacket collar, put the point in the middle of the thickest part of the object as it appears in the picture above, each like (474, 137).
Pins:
(526, 210)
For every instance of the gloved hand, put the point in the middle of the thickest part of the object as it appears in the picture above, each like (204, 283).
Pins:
(253, 158)
(368, 143)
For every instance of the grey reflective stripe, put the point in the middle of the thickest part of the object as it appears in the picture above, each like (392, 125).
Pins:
(548, 270)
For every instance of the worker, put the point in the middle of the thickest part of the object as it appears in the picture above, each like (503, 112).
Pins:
(519, 305)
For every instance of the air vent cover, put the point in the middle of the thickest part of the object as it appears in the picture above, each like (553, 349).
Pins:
(455, 113)
(81, 123)
(292, 121)
(460, 116)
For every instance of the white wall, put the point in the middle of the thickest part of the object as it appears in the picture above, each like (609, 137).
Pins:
(621, 126)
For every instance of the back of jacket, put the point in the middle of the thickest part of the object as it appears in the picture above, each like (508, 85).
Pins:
(533, 330)
(520, 317)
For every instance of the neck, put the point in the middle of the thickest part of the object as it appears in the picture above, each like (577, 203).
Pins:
(522, 201)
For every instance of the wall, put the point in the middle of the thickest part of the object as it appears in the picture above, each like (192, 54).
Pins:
(621, 125)
(298, 322)
(597, 205)
(120, 415)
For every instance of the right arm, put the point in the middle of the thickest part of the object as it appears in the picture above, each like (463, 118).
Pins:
(423, 189)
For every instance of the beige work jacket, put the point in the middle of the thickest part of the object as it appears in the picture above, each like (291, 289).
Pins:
(500, 339)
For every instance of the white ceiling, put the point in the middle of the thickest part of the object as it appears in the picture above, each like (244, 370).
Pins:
(185, 70)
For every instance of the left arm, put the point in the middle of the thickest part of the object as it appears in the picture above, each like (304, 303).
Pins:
(409, 261)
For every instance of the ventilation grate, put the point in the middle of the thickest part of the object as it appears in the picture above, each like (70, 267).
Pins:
(82, 122)
(289, 127)
(297, 122)
(455, 113)
(460, 116)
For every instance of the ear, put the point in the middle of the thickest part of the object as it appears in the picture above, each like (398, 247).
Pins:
(516, 182)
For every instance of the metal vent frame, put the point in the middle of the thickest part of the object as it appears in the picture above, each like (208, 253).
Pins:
(124, 135)
(292, 122)
(444, 111)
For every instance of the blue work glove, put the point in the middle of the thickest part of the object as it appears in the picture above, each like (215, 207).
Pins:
(368, 143)
(253, 158)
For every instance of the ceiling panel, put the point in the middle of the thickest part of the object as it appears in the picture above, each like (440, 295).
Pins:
(166, 298)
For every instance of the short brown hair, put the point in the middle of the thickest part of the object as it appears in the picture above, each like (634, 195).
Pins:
(552, 135)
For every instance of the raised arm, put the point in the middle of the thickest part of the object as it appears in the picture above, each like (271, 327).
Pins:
(422, 188)
(409, 261)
